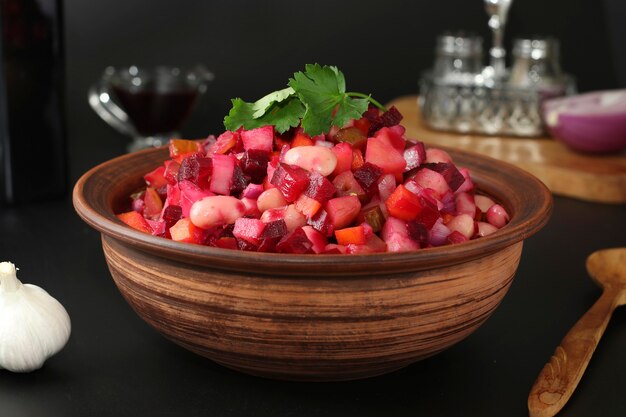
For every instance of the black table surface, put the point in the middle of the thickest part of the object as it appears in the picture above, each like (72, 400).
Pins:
(116, 365)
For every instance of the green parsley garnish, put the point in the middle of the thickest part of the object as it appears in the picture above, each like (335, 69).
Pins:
(317, 98)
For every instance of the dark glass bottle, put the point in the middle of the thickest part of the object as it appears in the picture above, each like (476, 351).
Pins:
(32, 134)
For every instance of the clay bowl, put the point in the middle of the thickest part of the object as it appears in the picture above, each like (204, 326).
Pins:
(312, 317)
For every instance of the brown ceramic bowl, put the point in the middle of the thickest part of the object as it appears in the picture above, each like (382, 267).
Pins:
(312, 317)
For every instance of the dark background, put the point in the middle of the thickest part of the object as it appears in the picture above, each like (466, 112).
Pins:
(116, 365)
(253, 47)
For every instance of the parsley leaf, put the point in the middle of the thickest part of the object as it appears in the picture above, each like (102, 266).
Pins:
(323, 91)
(315, 98)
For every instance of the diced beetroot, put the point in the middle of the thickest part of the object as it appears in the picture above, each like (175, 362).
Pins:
(307, 206)
(381, 153)
(427, 178)
(173, 196)
(342, 210)
(485, 229)
(275, 229)
(239, 181)
(389, 118)
(246, 246)
(197, 169)
(322, 223)
(152, 204)
(250, 230)
(449, 172)
(222, 176)
(261, 138)
(464, 224)
(468, 184)
(418, 232)
(346, 184)
(483, 202)
(135, 220)
(319, 188)
(268, 244)
(414, 156)
(171, 171)
(403, 204)
(156, 178)
(189, 194)
(252, 191)
(367, 175)
(434, 155)
(343, 152)
(386, 186)
(497, 216)
(318, 240)
(172, 214)
(464, 203)
(224, 143)
(290, 180)
(159, 228)
(429, 213)
(226, 242)
(456, 237)
(296, 242)
(396, 235)
(439, 233)
(254, 164)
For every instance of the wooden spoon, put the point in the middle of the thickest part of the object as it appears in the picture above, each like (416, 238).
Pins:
(559, 377)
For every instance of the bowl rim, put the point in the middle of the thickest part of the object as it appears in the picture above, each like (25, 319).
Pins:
(93, 202)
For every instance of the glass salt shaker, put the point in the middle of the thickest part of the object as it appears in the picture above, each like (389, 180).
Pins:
(536, 65)
(456, 56)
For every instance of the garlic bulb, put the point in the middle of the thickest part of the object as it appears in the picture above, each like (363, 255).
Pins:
(33, 325)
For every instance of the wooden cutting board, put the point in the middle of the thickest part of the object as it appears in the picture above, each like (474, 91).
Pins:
(587, 177)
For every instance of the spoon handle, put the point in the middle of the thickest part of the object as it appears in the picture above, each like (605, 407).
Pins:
(559, 377)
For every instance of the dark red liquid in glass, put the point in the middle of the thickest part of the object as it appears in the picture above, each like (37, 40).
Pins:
(153, 112)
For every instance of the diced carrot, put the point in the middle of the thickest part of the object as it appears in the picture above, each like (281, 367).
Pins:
(182, 146)
(403, 204)
(135, 220)
(354, 235)
(301, 139)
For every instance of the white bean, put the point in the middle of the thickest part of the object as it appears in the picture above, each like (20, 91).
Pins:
(215, 211)
(269, 199)
(312, 158)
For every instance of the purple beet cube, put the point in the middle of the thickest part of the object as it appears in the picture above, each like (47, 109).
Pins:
(449, 172)
(367, 175)
(322, 222)
(296, 242)
(275, 229)
(254, 164)
(319, 188)
(290, 180)
(196, 169)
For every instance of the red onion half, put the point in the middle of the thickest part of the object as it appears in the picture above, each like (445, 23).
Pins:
(591, 122)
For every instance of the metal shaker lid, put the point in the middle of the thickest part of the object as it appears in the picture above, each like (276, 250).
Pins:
(537, 48)
(459, 45)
